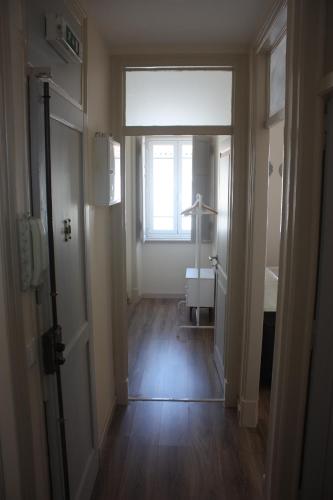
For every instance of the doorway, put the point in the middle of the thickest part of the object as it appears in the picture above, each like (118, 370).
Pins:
(169, 356)
(271, 277)
(230, 96)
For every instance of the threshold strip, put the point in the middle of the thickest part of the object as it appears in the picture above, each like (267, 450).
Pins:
(201, 327)
(177, 400)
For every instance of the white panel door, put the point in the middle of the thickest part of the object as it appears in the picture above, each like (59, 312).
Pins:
(67, 186)
(222, 246)
(69, 404)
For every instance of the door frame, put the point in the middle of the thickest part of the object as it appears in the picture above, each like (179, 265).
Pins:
(19, 471)
(239, 63)
(303, 145)
(10, 474)
(271, 34)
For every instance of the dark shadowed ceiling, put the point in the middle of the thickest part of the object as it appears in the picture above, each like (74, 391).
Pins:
(196, 25)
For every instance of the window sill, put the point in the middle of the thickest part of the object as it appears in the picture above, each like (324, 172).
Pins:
(169, 240)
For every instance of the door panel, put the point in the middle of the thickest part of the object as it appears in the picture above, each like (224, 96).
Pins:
(67, 203)
(77, 408)
(220, 301)
(222, 245)
(72, 389)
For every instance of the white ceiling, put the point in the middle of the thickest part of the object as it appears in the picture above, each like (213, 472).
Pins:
(162, 25)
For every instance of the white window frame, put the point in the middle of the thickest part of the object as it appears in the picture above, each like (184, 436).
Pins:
(149, 233)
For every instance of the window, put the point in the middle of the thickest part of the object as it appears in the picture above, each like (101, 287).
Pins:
(164, 97)
(277, 78)
(168, 188)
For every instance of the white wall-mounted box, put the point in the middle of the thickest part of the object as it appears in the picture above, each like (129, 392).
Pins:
(107, 171)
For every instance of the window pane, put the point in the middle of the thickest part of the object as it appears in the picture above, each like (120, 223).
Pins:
(277, 78)
(163, 224)
(163, 150)
(163, 189)
(187, 151)
(178, 97)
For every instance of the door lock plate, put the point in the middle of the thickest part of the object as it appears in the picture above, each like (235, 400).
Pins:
(53, 350)
(67, 229)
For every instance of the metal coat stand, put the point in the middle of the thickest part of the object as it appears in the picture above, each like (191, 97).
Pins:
(198, 209)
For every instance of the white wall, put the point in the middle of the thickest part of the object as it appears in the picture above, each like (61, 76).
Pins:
(153, 268)
(274, 195)
(164, 265)
(98, 108)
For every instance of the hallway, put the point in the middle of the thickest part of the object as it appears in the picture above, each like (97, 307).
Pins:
(166, 361)
(176, 450)
(180, 451)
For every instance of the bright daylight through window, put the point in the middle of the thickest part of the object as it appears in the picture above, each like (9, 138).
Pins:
(168, 188)
(163, 97)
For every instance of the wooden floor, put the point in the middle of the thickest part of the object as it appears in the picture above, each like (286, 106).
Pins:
(180, 451)
(263, 414)
(166, 361)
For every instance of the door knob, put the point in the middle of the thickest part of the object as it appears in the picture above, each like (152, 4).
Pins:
(213, 260)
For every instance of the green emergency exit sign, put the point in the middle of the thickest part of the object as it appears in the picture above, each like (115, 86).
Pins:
(72, 41)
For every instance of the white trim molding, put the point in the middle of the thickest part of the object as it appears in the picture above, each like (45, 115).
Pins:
(270, 35)
(18, 450)
(248, 412)
(162, 296)
(108, 421)
(240, 65)
(255, 236)
(299, 246)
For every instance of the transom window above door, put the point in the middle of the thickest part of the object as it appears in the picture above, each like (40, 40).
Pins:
(167, 188)
(178, 97)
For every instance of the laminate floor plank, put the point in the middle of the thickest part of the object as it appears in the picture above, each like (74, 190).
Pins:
(180, 451)
(137, 479)
(170, 479)
(264, 408)
(167, 361)
(157, 450)
(175, 430)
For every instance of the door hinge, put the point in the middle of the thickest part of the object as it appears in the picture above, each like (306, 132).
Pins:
(53, 350)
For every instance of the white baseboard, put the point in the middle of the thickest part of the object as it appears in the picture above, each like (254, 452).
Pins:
(106, 426)
(122, 392)
(248, 412)
(163, 296)
(86, 486)
(135, 296)
(230, 395)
